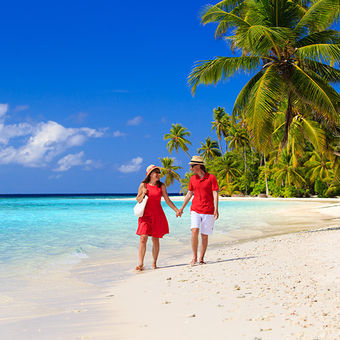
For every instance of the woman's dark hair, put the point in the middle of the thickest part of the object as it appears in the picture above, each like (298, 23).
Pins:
(148, 177)
(203, 168)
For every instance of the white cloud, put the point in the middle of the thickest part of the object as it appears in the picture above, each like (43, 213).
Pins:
(10, 131)
(44, 142)
(3, 109)
(119, 134)
(135, 121)
(72, 160)
(19, 108)
(133, 166)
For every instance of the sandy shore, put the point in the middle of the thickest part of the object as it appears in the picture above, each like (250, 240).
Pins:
(276, 287)
(282, 287)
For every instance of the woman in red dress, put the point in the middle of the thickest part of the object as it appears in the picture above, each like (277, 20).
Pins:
(153, 223)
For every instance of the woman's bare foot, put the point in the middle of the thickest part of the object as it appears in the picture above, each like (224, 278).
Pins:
(193, 262)
(140, 268)
(202, 262)
(154, 265)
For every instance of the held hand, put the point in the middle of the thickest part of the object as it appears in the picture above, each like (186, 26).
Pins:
(216, 214)
(179, 213)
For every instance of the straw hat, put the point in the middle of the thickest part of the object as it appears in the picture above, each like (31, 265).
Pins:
(151, 168)
(196, 160)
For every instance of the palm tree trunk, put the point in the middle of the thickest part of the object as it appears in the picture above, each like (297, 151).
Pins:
(219, 144)
(265, 175)
(289, 118)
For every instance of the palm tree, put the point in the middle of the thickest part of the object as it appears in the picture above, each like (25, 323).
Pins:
(320, 167)
(238, 139)
(185, 183)
(177, 139)
(225, 168)
(209, 149)
(220, 123)
(285, 173)
(292, 50)
(168, 169)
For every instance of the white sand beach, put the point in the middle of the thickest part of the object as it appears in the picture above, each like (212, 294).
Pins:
(284, 286)
(280, 287)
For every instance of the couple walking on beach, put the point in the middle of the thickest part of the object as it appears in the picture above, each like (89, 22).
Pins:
(204, 210)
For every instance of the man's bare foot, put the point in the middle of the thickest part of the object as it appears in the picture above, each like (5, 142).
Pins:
(202, 262)
(139, 268)
(193, 262)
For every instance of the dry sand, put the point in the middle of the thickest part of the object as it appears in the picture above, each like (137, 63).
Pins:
(282, 287)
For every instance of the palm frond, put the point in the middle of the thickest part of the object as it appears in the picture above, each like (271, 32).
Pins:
(308, 87)
(243, 96)
(261, 40)
(212, 71)
(326, 72)
(320, 52)
(323, 37)
(262, 104)
(319, 16)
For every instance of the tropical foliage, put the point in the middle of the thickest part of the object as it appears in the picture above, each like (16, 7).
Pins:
(177, 139)
(283, 135)
(293, 55)
(209, 149)
(168, 170)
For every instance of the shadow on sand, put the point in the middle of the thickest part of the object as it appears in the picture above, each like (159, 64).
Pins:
(207, 263)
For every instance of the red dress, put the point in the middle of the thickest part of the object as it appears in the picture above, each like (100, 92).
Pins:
(153, 222)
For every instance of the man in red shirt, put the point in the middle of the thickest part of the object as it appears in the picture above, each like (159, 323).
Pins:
(204, 208)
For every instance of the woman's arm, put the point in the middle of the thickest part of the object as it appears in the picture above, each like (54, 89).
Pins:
(142, 191)
(168, 200)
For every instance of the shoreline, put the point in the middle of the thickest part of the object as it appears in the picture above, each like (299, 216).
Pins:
(93, 303)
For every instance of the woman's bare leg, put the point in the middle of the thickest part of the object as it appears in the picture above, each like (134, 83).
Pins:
(155, 251)
(142, 250)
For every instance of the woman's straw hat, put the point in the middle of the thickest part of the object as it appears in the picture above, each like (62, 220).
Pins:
(151, 168)
(196, 160)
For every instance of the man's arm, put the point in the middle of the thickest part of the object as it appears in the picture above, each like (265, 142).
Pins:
(187, 198)
(215, 195)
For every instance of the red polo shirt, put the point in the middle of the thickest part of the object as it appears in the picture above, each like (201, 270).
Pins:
(203, 201)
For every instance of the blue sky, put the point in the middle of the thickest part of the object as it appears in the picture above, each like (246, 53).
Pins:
(89, 88)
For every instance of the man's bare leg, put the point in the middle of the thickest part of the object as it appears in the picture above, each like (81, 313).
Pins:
(204, 246)
(142, 250)
(155, 251)
(194, 244)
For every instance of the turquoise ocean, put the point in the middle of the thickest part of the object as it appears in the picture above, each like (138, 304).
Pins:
(44, 233)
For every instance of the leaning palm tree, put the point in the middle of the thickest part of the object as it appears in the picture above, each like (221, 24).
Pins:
(168, 169)
(293, 52)
(209, 149)
(177, 139)
(238, 140)
(220, 123)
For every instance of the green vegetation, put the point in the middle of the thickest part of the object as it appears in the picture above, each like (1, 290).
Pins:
(282, 137)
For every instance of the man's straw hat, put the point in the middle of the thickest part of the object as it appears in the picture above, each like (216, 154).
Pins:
(151, 168)
(196, 160)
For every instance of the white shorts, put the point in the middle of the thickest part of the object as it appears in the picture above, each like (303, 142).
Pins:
(205, 222)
